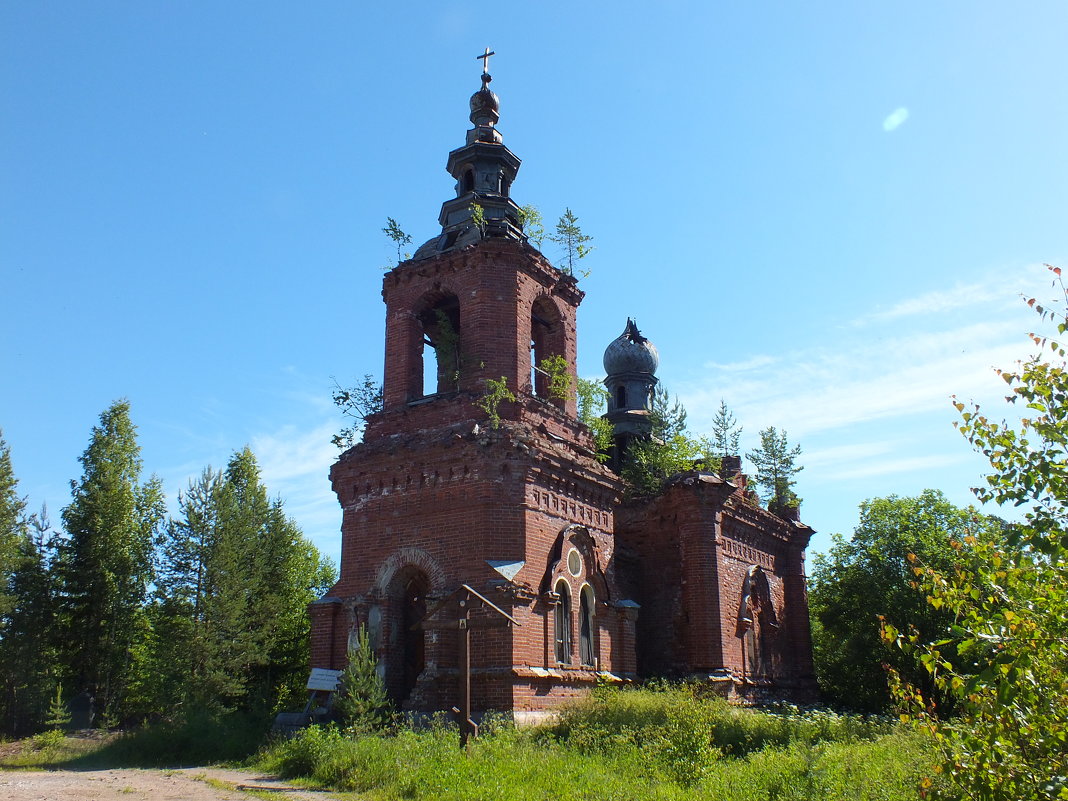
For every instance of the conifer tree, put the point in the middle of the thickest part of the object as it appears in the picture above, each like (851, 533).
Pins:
(104, 563)
(13, 528)
(363, 702)
(726, 433)
(25, 608)
(235, 577)
(776, 466)
(175, 653)
(574, 243)
(27, 650)
(668, 419)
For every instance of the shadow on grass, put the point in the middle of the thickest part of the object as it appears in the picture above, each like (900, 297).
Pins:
(198, 740)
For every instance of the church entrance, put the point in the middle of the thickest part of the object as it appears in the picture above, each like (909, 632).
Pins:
(412, 586)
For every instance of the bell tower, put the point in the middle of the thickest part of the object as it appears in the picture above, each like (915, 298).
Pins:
(458, 482)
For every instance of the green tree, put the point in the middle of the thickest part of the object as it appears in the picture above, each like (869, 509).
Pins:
(104, 563)
(172, 664)
(554, 368)
(399, 238)
(592, 400)
(357, 403)
(236, 577)
(27, 651)
(530, 221)
(869, 577)
(574, 243)
(670, 450)
(363, 702)
(668, 418)
(726, 433)
(776, 466)
(1004, 659)
(13, 527)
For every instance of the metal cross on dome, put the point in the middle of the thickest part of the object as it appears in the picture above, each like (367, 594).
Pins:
(485, 60)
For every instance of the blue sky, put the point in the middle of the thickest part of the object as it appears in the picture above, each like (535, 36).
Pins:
(823, 213)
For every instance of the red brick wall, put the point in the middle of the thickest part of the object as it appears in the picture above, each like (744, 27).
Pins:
(695, 544)
(435, 486)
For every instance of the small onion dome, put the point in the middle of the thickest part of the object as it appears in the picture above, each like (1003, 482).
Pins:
(485, 105)
(630, 352)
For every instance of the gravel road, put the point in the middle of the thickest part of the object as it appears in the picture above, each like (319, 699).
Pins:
(188, 784)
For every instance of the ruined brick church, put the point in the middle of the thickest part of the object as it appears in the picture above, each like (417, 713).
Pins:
(452, 488)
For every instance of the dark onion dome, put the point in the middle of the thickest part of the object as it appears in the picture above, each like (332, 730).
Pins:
(485, 105)
(630, 352)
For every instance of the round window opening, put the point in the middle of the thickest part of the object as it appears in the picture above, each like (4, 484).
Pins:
(574, 562)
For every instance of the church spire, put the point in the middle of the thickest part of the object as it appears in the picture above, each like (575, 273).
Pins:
(484, 170)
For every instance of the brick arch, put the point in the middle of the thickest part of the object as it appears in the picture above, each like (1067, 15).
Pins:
(548, 337)
(438, 305)
(586, 545)
(406, 558)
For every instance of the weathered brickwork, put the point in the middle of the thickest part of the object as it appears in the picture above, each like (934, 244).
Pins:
(508, 498)
(436, 497)
(722, 588)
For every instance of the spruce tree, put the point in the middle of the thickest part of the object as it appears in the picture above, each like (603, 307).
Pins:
(362, 701)
(104, 563)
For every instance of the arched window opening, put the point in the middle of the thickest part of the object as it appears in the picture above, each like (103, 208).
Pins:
(467, 181)
(441, 334)
(621, 397)
(587, 651)
(757, 623)
(562, 623)
(546, 342)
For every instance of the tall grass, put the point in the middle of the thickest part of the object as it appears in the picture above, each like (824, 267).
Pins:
(621, 745)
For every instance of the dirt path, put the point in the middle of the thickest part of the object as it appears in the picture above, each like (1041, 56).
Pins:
(189, 784)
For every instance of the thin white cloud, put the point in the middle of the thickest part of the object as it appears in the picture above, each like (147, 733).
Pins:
(844, 454)
(748, 364)
(866, 378)
(940, 301)
(895, 119)
(295, 465)
(999, 289)
(885, 467)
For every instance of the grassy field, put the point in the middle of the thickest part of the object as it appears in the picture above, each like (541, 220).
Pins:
(620, 745)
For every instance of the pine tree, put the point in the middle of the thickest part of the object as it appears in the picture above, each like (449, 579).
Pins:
(104, 563)
(776, 468)
(574, 243)
(726, 433)
(668, 419)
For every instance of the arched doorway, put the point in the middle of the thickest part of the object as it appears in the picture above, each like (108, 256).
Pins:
(412, 586)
